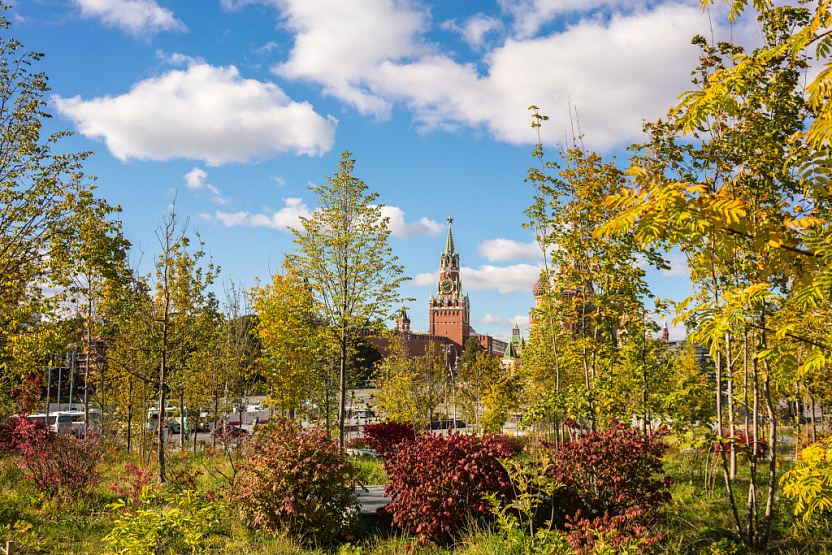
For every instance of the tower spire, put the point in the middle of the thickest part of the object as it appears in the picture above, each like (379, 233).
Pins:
(449, 242)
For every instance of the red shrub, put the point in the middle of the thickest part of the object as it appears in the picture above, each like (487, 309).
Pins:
(58, 465)
(744, 445)
(512, 444)
(387, 437)
(622, 533)
(358, 443)
(611, 471)
(130, 487)
(438, 482)
(296, 480)
(10, 437)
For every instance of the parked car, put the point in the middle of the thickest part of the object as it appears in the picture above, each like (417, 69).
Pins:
(254, 408)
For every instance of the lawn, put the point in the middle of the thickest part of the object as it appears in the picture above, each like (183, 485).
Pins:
(696, 521)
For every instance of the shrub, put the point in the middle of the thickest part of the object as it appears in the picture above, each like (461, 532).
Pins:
(358, 443)
(130, 488)
(10, 437)
(62, 466)
(612, 471)
(297, 481)
(810, 481)
(743, 444)
(519, 526)
(513, 444)
(388, 437)
(438, 482)
(621, 533)
(181, 527)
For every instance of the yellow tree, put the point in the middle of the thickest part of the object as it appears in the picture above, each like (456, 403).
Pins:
(409, 388)
(289, 335)
(735, 181)
(592, 282)
(474, 382)
(46, 201)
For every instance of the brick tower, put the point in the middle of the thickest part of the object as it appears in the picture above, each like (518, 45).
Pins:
(450, 310)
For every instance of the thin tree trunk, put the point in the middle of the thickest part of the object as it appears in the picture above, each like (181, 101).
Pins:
(129, 415)
(342, 397)
(814, 423)
(753, 458)
(772, 455)
(182, 419)
(729, 375)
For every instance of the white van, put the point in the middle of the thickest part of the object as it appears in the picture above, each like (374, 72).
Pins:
(77, 421)
(59, 422)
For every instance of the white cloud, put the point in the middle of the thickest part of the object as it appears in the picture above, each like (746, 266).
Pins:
(288, 216)
(678, 266)
(475, 28)
(203, 113)
(506, 279)
(616, 68)
(195, 181)
(133, 16)
(336, 43)
(426, 279)
(530, 15)
(520, 320)
(519, 278)
(506, 250)
(399, 228)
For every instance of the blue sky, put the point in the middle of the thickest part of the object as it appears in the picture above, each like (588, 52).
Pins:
(235, 106)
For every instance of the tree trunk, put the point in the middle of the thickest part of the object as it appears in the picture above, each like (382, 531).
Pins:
(342, 392)
(163, 376)
(729, 375)
(772, 455)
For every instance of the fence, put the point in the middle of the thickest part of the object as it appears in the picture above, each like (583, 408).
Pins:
(9, 549)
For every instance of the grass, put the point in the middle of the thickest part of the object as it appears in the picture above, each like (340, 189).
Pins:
(370, 470)
(697, 521)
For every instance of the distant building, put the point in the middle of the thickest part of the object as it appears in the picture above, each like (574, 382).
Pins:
(450, 316)
(512, 356)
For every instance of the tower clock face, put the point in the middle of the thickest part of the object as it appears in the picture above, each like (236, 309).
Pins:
(446, 286)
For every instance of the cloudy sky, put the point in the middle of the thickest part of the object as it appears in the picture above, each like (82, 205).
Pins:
(234, 107)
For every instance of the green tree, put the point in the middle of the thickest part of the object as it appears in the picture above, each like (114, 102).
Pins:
(132, 366)
(343, 251)
(592, 285)
(733, 179)
(181, 299)
(45, 204)
(409, 388)
(475, 381)
(239, 362)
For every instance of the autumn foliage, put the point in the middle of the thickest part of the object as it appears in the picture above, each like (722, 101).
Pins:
(57, 465)
(438, 482)
(613, 471)
(388, 437)
(296, 481)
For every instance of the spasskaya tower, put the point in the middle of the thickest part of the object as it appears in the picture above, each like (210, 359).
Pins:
(450, 310)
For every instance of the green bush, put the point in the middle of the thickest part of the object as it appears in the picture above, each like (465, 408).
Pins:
(179, 524)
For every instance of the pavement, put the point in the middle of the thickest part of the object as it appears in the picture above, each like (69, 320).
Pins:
(371, 500)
